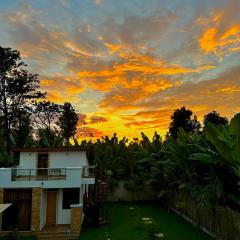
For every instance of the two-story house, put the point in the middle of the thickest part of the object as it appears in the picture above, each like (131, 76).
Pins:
(46, 188)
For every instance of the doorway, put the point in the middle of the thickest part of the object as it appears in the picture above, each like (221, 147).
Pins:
(42, 164)
(51, 207)
(18, 215)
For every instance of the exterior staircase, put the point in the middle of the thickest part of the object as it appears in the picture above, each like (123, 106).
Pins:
(57, 236)
(57, 232)
(101, 195)
(101, 191)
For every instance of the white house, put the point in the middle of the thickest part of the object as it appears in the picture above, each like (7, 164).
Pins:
(46, 188)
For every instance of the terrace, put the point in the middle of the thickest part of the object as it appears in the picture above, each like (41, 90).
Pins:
(21, 174)
(47, 177)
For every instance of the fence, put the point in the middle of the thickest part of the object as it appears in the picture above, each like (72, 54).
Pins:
(221, 222)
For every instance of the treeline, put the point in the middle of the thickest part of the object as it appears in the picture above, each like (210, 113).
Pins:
(203, 162)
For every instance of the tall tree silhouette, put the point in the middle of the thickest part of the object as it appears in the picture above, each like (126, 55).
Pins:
(68, 121)
(18, 88)
(22, 129)
(181, 118)
(215, 118)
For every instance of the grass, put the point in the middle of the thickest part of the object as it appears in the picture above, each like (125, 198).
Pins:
(127, 224)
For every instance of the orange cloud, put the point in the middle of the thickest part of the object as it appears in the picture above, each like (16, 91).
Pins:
(154, 113)
(55, 97)
(66, 85)
(87, 132)
(97, 119)
(229, 90)
(76, 50)
(221, 35)
(162, 123)
(113, 47)
(228, 41)
(133, 70)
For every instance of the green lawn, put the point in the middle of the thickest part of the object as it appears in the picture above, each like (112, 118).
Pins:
(127, 224)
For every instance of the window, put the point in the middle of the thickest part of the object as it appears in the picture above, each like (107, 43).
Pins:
(70, 196)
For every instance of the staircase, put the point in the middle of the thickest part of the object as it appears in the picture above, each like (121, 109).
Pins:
(101, 195)
(101, 191)
(57, 232)
(57, 236)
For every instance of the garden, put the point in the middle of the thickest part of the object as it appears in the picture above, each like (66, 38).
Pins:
(143, 221)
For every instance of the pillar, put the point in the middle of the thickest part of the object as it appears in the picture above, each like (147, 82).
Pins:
(36, 203)
(76, 218)
(1, 201)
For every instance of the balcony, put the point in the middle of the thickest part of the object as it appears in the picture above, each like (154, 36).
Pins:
(23, 174)
(88, 172)
(46, 177)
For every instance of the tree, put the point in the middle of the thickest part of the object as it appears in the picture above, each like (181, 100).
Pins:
(22, 129)
(46, 115)
(215, 118)
(18, 88)
(68, 121)
(181, 118)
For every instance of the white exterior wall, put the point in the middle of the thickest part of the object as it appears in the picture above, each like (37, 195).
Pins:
(73, 180)
(63, 215)
(72, 161)
(56, 159)
(43, 207)
(67, 159)
(28, 160)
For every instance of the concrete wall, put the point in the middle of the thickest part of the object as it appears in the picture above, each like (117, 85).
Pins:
(63, 215)
(120, 193)
(43, 207)
(67, 159)
(28, 160)
(56, 159)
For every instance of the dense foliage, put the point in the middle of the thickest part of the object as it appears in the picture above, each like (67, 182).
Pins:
(204, 165)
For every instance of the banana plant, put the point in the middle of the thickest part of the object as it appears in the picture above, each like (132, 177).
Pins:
(226, 140)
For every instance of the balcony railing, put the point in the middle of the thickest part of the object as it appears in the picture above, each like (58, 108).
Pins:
(24, 174)
(35, 174)
(88, 172)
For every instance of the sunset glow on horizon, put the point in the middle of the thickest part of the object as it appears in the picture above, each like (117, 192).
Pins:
(127, 65)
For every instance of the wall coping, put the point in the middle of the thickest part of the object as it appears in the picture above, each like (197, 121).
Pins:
(76, 205)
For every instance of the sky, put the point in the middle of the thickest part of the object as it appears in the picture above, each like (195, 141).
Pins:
(127, 65)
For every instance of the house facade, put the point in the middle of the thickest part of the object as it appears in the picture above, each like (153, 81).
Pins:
(46, 188)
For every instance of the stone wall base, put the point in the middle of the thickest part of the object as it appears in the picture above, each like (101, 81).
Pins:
(76, 219)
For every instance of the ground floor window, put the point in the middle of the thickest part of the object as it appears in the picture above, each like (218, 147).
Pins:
(18, 215)
(70, 196)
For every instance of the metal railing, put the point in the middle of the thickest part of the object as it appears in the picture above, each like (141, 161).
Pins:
(88, 172)
(18, 174)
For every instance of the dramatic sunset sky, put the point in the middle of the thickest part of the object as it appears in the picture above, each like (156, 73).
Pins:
(127, 64)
